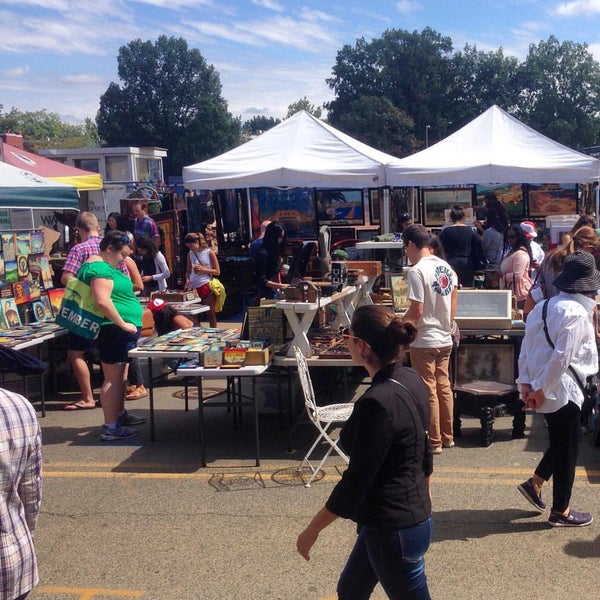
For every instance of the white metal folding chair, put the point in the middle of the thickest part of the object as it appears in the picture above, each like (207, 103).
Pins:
(322, 417)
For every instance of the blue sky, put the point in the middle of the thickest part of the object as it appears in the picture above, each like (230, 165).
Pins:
(61, 55)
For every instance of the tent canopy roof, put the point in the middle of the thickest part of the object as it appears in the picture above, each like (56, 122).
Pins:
(23, 189)
(494, 148)
(302, 151)
(51, 169)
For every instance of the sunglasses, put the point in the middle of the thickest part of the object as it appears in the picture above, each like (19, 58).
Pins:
(345, 333)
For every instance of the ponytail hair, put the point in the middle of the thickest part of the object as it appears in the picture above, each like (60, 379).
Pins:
(385, 332)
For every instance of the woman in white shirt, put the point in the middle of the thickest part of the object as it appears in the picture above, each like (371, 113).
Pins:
(202, 264)
(153, 266)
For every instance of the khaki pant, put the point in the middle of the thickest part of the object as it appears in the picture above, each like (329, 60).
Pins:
(432, 364)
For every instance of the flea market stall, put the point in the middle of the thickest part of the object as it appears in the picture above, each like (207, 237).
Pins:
(26, 283)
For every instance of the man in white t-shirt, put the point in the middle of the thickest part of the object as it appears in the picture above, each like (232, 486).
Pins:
(432, 293)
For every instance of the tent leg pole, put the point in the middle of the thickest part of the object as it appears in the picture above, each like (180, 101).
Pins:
(386, 226)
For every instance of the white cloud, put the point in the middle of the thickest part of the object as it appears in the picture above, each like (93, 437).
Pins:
(302, 34)
(577, 8)
(270, 4)
(16, 72)
(81, 79)
(407, 6)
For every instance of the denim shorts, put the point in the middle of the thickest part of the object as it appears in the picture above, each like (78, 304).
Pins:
(114, 344)
(80, 344)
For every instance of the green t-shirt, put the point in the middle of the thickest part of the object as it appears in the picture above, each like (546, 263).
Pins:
(122, 295)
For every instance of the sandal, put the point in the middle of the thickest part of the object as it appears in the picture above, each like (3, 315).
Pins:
(138, 392)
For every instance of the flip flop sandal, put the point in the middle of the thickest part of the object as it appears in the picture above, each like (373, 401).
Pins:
(78, 406)
(139, 392)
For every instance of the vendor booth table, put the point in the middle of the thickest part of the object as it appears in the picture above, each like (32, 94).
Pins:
(300, 315)
(32, 336)
(232, 376)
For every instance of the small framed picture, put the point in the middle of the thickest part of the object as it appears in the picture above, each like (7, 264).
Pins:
(374, 209)
(437, 200)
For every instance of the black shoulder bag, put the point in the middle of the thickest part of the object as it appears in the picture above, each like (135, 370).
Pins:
(590, 389)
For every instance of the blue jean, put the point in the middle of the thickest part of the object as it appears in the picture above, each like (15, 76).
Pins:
(392, 558)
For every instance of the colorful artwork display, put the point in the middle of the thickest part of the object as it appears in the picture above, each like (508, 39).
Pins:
(511, 195)
(552, 199)
(294, 208)
(340, 207)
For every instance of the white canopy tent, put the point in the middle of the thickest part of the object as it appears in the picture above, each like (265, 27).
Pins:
(494, 148)
(302, 151)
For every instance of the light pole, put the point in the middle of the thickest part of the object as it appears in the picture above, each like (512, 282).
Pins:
(427, 136)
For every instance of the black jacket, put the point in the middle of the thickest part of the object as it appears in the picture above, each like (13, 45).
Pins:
(386, 438)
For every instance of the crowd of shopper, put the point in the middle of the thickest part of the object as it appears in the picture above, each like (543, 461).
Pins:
(404, 418)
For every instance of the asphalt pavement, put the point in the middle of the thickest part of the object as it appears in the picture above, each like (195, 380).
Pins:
(142, 519)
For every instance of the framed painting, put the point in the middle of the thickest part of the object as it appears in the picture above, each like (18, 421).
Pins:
(399, 293)
(511, 195)
(552, 199)
(340, 207)
(485, 362)
(374, 208)
(294, 208)
(167, 233)
(437, 200)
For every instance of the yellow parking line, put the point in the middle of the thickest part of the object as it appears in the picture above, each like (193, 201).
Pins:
(88, 593)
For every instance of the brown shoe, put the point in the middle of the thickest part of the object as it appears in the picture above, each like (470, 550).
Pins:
(138, 392)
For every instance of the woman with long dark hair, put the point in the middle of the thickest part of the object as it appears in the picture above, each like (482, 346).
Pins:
(385, 488)
(268, 261)
(514, 268)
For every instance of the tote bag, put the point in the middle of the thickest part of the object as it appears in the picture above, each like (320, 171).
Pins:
(78, 312)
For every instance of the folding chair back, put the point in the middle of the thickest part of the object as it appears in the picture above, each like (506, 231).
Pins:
(323, 418)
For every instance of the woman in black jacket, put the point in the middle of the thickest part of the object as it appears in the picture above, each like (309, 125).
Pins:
(385, 488)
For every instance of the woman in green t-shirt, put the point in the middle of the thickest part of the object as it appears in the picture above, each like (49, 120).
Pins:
(119, 332)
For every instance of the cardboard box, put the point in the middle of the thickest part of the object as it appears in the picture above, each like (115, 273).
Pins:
(370, 268)
(257, 356)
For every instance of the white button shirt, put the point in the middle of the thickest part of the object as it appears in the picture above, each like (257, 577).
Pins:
(571, 329)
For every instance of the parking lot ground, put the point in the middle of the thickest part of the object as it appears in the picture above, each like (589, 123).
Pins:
(143, 519)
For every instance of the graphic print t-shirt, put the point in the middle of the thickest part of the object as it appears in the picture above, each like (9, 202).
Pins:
(431, 282)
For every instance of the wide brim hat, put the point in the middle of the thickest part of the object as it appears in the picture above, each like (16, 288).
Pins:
(579, 274)
(156, 305)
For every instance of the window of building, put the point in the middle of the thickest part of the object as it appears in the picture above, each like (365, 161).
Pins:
(149, 169)
(88, 164)
(116, 168)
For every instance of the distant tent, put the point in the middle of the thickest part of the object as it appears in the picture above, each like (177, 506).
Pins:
(50, 169)
(23, 189)
(494, 148)
(302, 151)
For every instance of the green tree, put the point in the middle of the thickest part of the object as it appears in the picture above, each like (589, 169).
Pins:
(170, 97)
(41, 129)
(411, 70)
(257, 125)
(560, 95)
(376, 122)
(304, 104)
(480, 80)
